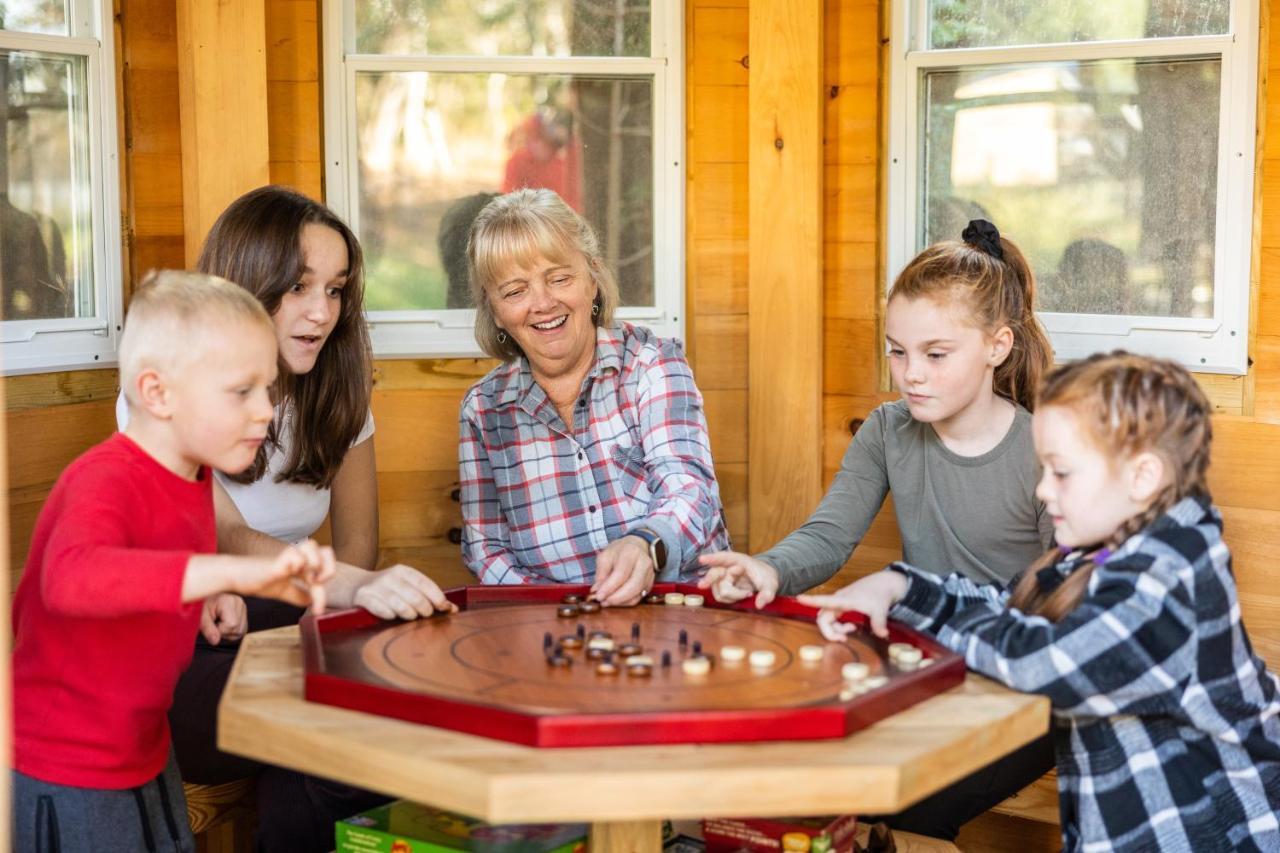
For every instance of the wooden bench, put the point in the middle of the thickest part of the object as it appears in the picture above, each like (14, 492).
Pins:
(221, 816)
(1038, 801)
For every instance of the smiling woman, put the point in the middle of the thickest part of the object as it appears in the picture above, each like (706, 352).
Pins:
(584, 457)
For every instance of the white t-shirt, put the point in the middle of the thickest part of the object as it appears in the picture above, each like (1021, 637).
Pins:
(287, 511)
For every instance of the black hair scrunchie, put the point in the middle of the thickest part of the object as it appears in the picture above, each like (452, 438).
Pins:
(981, 234)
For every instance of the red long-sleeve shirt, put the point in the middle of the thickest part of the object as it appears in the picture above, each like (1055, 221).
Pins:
(101, 633)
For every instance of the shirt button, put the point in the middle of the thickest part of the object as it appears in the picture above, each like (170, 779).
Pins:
(579, 455)
(582, 404)
(593, 509)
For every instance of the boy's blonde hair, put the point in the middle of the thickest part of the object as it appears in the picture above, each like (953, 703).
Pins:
(514, 229)
(171, 316)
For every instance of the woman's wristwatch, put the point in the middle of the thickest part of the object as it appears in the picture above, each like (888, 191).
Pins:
(657, 548)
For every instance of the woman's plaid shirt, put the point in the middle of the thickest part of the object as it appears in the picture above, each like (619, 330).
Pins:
(1168, 725)
(540, 499)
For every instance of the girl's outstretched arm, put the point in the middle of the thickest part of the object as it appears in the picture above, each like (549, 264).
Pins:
(1125, 648)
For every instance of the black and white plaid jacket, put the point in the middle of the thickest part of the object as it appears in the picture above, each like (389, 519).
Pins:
(1167, 724)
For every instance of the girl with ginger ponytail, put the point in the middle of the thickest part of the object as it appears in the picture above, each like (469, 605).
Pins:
(1167, 724)
(967, 353)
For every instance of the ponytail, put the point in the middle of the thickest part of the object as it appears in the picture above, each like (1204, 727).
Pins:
(993, 278)
(1017, 378)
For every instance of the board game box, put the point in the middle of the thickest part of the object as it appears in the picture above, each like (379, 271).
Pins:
(404, 827)
(792, 834)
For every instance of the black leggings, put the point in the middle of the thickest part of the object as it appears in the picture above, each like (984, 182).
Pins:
(296, 812)
(942, 814)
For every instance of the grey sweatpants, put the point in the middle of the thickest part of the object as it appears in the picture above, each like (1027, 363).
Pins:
(49, 818)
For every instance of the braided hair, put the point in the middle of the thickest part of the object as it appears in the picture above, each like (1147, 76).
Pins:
(1126, 404)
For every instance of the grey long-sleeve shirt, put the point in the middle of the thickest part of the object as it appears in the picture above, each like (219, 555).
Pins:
(976, 515)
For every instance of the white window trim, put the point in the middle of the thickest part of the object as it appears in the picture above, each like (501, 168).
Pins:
(449, 333)
(40, 346)
(1217, 345)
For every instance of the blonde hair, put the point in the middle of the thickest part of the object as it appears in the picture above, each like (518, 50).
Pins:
(514, 230)
(169, 320)
(997, 292)
(1127, 404)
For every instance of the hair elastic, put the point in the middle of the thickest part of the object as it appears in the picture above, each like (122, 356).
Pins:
(982, 235)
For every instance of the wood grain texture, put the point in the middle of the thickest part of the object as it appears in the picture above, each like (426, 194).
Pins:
(1038, 801)
(785, 121)
(994, 832)
(881, 769)
(222, 88)
(720, 359)
(726, 412)
(38, 390)
(210, 805)
(717, 277)
(641, 836)
(481, 671)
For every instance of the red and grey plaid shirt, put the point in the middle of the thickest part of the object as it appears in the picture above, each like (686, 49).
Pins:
(540, 499)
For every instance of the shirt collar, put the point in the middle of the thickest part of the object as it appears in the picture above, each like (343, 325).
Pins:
(518, 378)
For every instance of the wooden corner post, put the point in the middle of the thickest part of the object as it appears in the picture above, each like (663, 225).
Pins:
(222, 101)
(785, 272)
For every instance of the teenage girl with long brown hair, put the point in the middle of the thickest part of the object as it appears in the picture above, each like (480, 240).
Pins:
(306, 268)
(1167, 724)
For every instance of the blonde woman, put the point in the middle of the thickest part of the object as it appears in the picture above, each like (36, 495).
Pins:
(584, 456)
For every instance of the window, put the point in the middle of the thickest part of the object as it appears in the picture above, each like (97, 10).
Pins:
(1113, 142)
(438, 105)
(59, 214)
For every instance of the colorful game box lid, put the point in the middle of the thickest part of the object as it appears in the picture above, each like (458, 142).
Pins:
(790, 834)
(404, 827)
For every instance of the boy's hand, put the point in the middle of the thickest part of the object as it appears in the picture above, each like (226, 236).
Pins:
(872, 595)
(401, 592)
(224, 617)
(734, 576)
(296, 576)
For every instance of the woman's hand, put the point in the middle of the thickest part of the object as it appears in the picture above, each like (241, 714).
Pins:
(624, 572)
(734, 576)
(224, 617)
(400, 592)
(872, 595)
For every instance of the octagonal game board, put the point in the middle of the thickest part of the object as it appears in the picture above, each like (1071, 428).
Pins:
(506, 666)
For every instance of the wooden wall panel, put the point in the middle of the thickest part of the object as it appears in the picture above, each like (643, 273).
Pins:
(852, 293)
(222, 96)
(717, 288)
(785, 128)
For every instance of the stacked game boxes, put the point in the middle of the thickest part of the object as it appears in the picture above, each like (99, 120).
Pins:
(404, 827)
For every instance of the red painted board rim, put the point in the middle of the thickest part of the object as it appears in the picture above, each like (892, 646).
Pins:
(834, 720)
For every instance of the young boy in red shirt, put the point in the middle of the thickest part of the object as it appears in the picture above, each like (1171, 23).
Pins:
(122, 565)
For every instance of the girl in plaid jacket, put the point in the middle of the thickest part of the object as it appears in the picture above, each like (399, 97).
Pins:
(1167, 725)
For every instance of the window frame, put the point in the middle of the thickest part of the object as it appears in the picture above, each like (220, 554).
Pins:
(1218, 344)
(449, 333)
(42, 346)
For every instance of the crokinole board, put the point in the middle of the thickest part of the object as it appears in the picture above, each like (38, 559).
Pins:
(485, 671)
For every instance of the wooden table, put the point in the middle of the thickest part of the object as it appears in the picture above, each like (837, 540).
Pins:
(625, 791)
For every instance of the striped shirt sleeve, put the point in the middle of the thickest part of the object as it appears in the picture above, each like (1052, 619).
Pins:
(485, 540)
